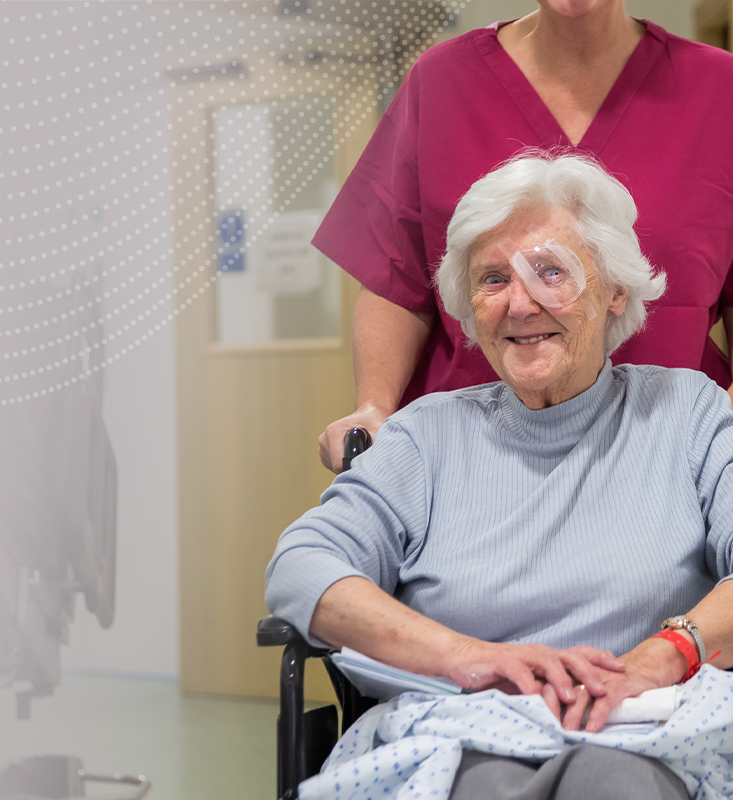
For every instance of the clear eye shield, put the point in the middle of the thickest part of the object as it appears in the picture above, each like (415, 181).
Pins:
(553, 275)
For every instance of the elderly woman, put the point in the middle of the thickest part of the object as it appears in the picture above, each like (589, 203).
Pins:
(517, 535)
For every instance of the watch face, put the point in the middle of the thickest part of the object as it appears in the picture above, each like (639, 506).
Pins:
(675, 622)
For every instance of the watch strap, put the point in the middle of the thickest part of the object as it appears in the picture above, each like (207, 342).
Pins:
(693, 629)
(682, 623)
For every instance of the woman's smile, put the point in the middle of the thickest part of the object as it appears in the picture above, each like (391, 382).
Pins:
(534, 339)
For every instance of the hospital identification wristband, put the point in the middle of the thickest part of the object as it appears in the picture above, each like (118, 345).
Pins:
(688, 650)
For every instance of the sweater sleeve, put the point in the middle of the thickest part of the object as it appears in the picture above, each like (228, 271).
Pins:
(371, 519)
(710, 452)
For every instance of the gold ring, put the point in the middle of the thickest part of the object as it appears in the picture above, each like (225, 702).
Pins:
(580, 686)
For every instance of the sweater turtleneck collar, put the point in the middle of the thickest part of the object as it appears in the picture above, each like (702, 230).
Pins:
(564, 423)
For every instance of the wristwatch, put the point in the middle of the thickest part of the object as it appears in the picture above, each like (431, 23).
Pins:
(682, 623)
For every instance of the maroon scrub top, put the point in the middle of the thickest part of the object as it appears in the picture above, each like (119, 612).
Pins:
(665, 130)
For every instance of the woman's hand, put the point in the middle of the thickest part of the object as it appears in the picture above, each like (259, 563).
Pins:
(355, 613)
(652, 664)
(528, 668)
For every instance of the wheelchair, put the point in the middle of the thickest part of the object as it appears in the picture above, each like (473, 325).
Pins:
(305, 739)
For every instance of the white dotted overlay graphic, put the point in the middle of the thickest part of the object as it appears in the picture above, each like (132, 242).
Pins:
(95, 195)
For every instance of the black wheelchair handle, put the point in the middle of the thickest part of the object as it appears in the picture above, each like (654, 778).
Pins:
(356, 441)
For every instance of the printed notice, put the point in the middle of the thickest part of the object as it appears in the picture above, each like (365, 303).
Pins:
(286, 261)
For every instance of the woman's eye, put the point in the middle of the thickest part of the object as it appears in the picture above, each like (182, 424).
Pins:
(552, 275)
(494, 280)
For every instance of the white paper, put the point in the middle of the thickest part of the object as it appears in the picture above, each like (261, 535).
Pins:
(374, 679)
(286, 263)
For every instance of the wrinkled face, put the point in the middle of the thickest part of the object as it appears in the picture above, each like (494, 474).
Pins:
(545, 355)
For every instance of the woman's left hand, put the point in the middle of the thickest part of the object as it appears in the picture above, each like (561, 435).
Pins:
(650, 665)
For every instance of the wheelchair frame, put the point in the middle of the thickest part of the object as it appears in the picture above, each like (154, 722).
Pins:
(306, 738)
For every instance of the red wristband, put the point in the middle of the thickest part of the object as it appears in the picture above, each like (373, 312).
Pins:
(688, 650)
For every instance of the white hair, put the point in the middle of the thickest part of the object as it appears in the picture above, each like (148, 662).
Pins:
(603, 208)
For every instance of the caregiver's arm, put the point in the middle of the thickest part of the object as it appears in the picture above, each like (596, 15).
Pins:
(355, 613)
(727, 315)
(656, 662)
(388, 341)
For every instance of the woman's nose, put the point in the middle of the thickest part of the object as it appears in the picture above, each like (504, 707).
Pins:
(521, 302)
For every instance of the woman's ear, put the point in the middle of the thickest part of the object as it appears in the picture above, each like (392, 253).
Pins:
(618, 301)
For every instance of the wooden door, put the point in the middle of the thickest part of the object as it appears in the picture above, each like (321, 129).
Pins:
(248, 421)
(714, 23)
(249, 416)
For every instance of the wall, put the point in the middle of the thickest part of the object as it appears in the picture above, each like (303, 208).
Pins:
(673, 15)
(85, 208)
(118, 53)
(140, 411)
(86, 199)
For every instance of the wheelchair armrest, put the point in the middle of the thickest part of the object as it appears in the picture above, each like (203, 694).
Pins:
(274, 632)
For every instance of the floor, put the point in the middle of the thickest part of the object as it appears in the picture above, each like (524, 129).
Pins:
(190, 747)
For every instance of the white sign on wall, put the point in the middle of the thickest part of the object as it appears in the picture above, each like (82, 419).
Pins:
(285, 261)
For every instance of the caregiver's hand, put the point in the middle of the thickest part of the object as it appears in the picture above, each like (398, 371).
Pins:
(650, 665)
(331, 441)
(527, 668)
(388, 342)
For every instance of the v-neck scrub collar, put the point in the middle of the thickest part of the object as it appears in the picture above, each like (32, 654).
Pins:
(646, 54)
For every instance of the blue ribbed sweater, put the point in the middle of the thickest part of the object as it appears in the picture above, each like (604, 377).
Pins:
(586, 523)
